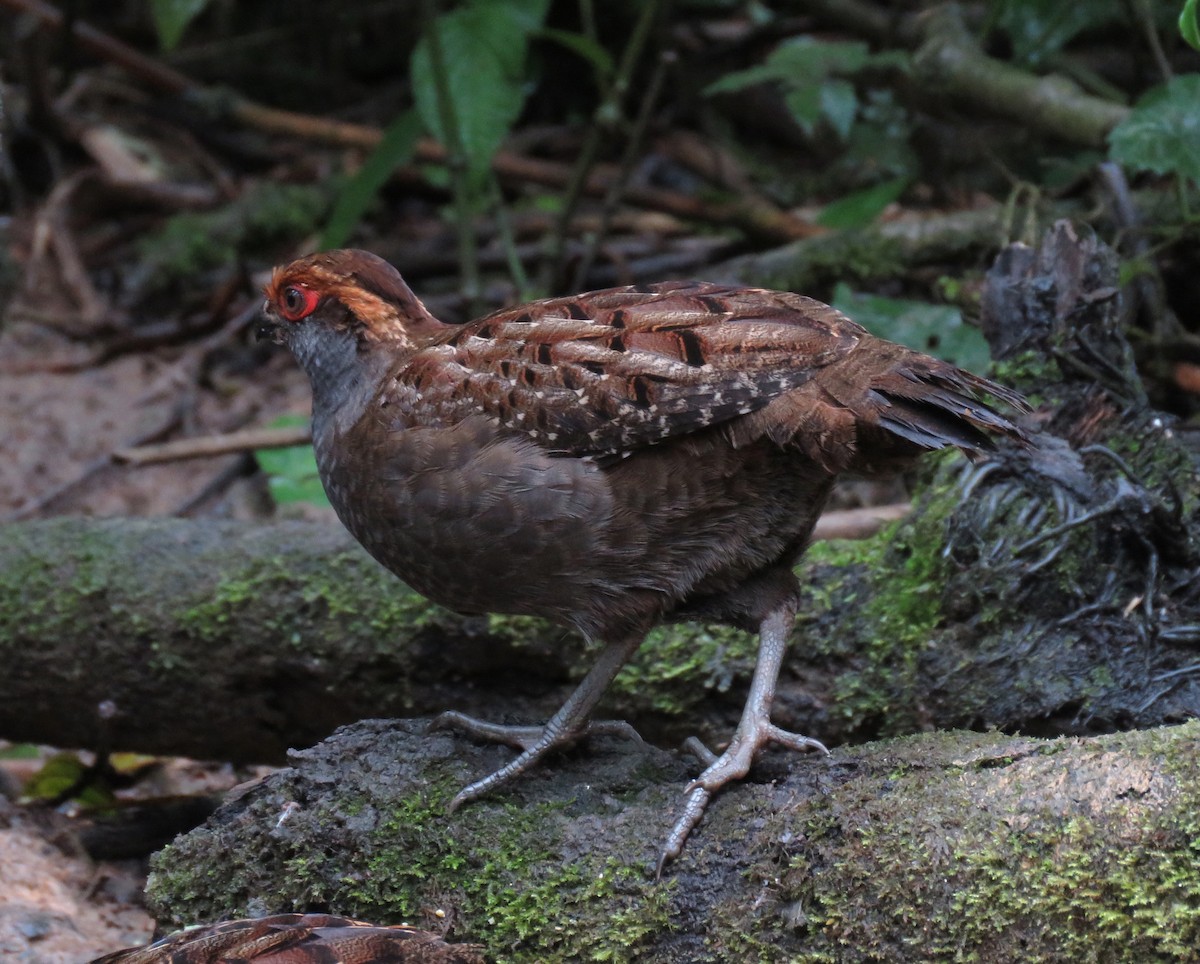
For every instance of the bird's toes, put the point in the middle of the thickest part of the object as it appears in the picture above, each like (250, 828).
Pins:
(520, 737)
(693, 809)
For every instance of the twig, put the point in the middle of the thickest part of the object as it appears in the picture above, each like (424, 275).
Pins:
(106, 47)
(858, 523)
(605, 119)
(633, 146)
(208, 446)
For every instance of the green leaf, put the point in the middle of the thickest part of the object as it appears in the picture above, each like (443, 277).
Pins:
(1162, 133)
(1189, 23)
(805, 105)
(936, 329)
(171, 18)
(799, 62)
(862, 207)
(839, 104)
(397, 147)
(292, 472)
(484, 46)
(741, 79)
(59, 774)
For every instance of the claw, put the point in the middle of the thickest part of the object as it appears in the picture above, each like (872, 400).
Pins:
(754, 731)
(730, 766)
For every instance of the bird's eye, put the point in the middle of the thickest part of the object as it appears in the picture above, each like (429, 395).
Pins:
(297, 302)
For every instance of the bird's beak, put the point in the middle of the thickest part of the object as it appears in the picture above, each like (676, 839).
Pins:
(269, 327)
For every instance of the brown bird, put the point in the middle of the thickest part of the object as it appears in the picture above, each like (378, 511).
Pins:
(609, 460)
(299, 939)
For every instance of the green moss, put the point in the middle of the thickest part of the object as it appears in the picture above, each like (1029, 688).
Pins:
(680, 666)
(526, 901)
(387, 614)
(1030, 372)
(887, 601)
(970, 862)
(853, 257)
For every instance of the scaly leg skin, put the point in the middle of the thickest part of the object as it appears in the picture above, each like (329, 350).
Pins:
(524, 737)
(754, 731)
(564, 727)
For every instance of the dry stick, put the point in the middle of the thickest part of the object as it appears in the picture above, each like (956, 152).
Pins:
(208, 446)
(769, 225)
(858, 523)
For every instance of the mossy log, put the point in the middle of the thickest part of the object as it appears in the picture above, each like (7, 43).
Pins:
(955, 846)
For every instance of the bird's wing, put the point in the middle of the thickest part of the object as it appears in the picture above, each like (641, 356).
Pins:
(612, 371)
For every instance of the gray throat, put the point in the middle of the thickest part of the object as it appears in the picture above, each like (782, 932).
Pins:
(344, 379)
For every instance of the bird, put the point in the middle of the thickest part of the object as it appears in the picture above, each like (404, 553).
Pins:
(299, 939)
(610, 461)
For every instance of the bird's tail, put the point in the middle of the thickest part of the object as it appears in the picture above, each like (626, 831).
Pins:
(883, 405)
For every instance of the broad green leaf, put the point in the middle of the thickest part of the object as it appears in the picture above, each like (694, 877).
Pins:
(936, 329)
(741, 79)
(484, 47)
(839, 104)
(799, 62)
(805, 105)
(397, 148)
(171, 18)
(808, 71)
(1162, 133)
(292, 472)
(862, 207)
(804, 58)
(1189, 23)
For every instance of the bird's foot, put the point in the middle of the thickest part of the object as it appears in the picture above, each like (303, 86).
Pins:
(731, 765)
(524, 737)
(534, 742)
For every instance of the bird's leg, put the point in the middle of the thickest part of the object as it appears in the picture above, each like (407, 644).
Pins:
(565, 726)
(754, 731)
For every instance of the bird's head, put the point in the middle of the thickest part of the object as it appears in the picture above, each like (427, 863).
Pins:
(345, 315)
(344, 293)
